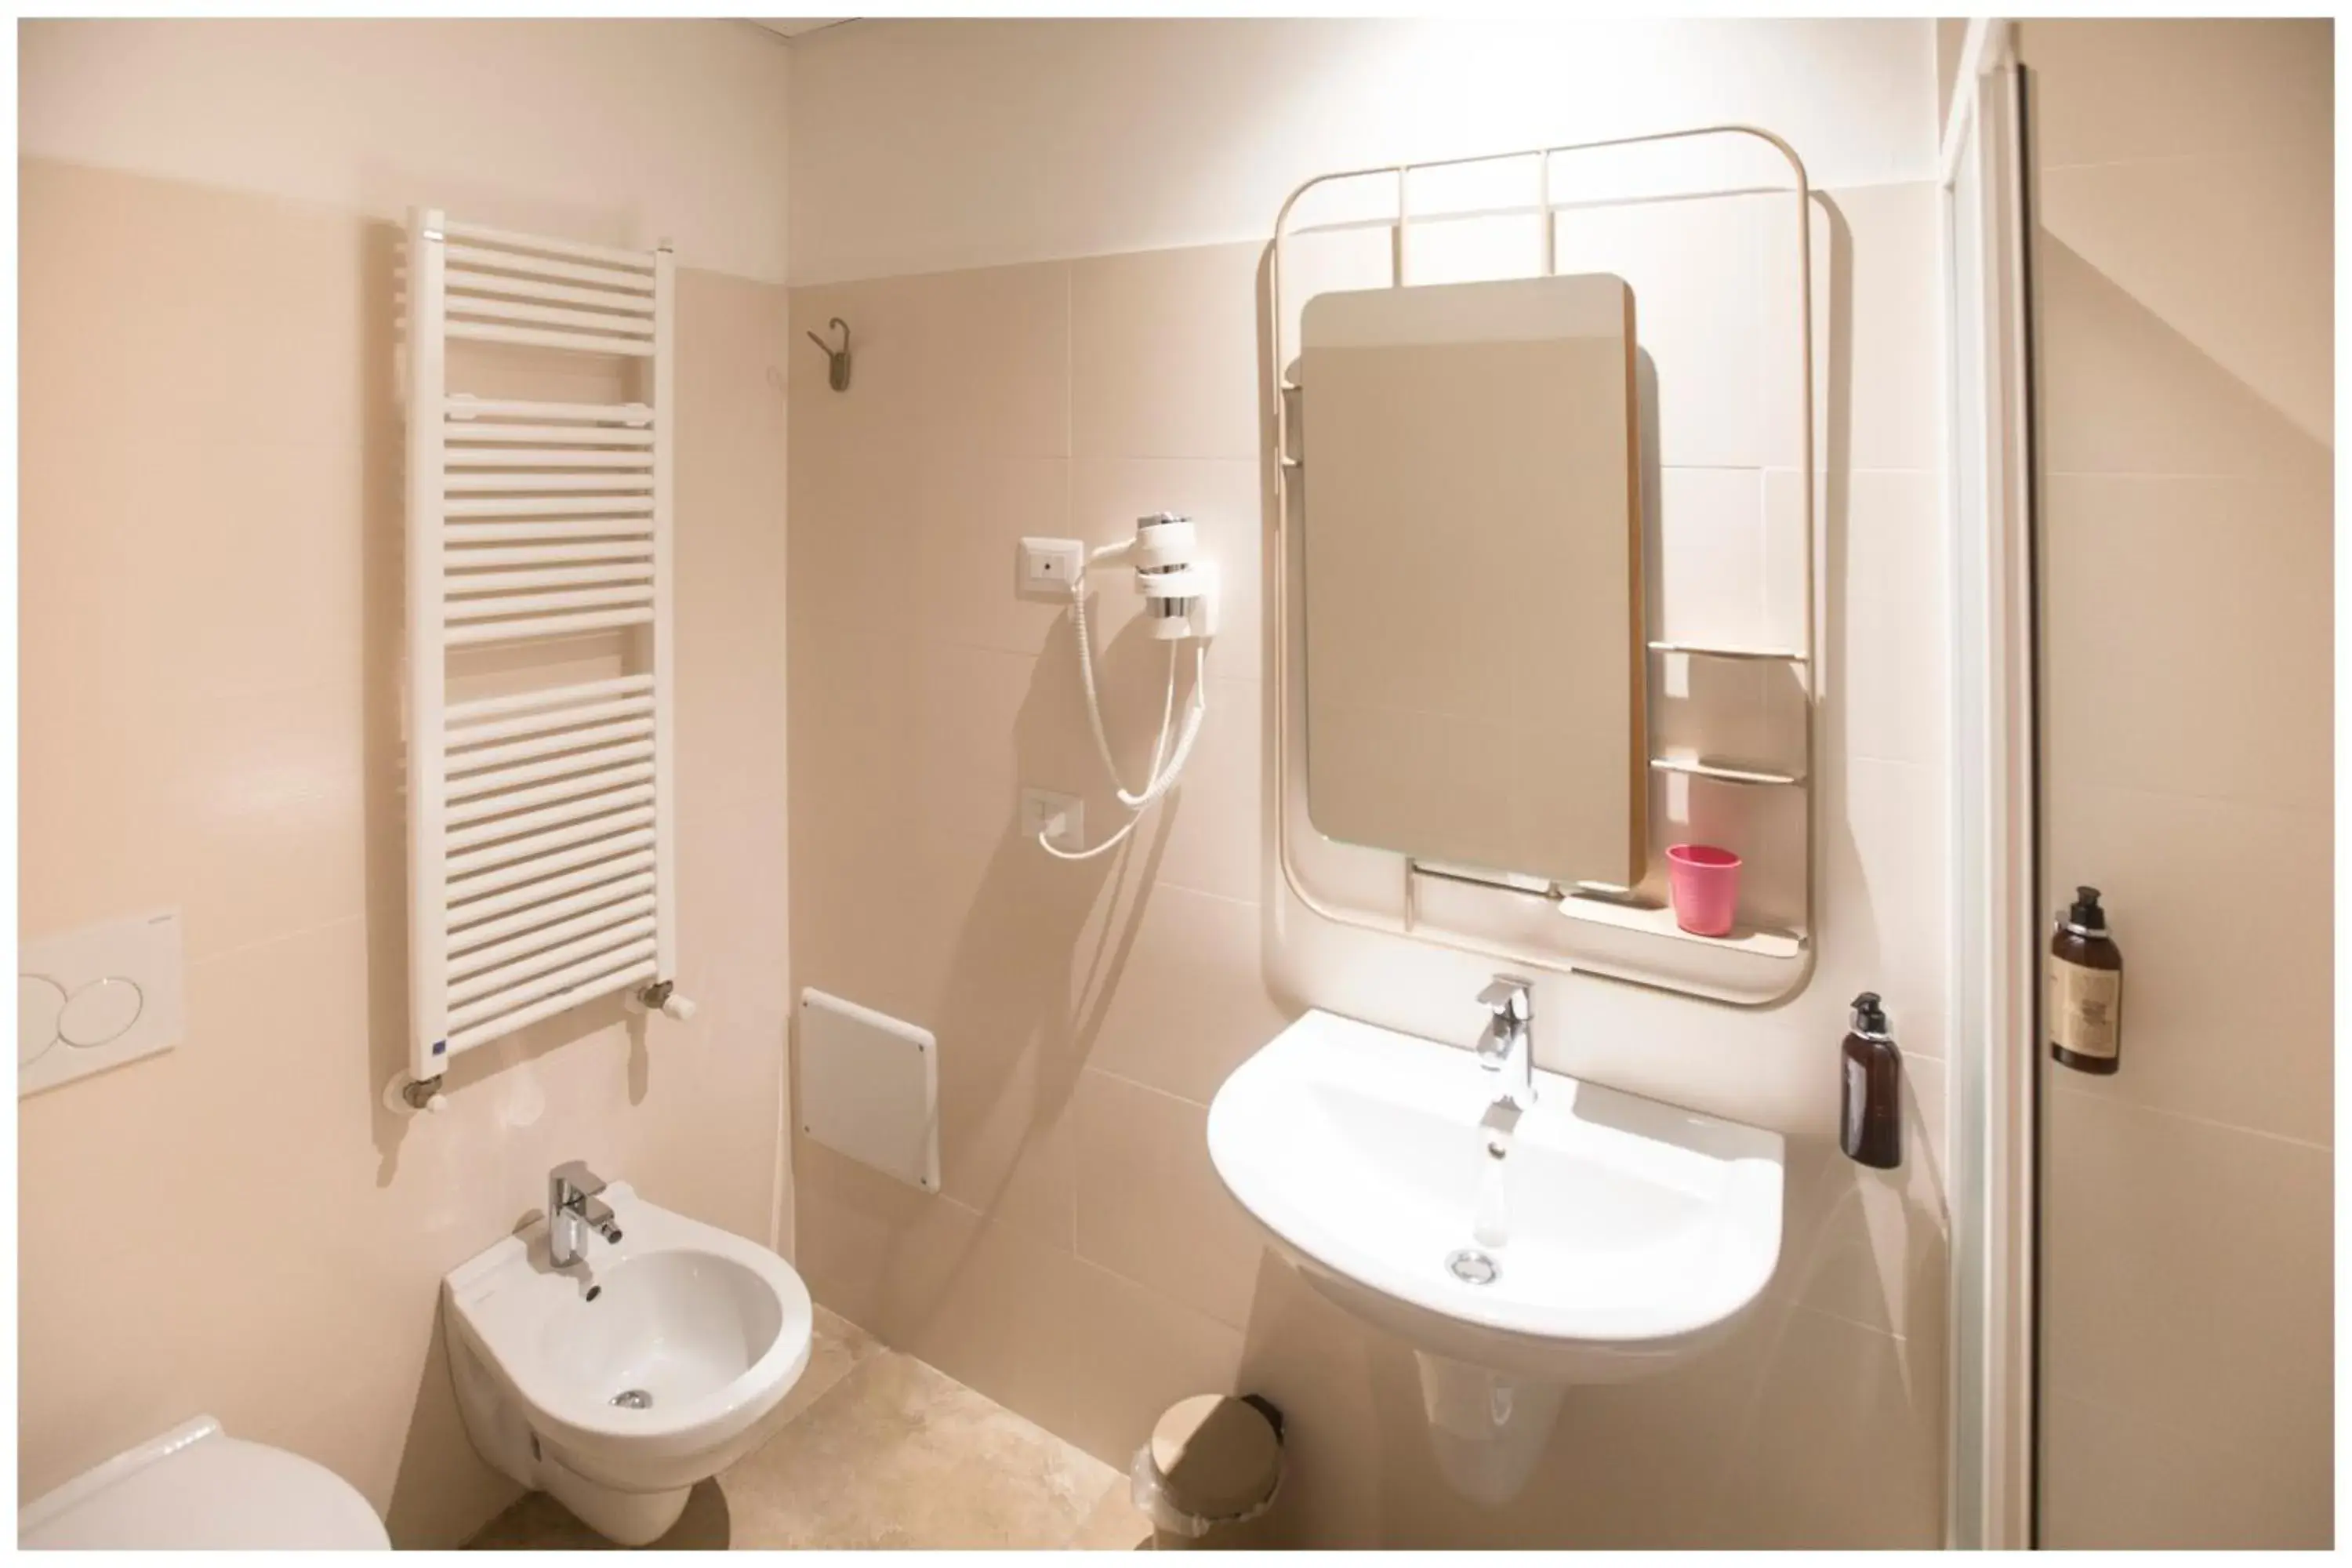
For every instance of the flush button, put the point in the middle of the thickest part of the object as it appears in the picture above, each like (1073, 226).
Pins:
(39, 1001)
(100, 1011)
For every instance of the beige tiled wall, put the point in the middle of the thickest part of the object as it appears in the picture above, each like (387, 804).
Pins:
(1082, 1262)
(2185, 266)
(210, 602)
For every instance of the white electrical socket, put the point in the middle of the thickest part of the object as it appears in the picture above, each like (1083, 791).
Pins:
(1049, 565)
(1061, 818)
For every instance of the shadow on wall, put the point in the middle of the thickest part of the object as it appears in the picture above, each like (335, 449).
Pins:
(1032, 970)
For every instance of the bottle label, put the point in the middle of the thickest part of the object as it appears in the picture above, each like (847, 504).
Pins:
(1857, 1103)
(2084, 1006)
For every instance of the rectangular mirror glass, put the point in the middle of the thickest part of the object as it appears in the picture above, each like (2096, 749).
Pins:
(1472, 554)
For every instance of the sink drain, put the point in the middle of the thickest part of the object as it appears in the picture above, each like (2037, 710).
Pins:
(632, 1399)
(1472, 1267)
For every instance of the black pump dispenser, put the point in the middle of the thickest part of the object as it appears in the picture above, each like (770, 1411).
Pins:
(1870, 1126)
(2084, 916)
(1869, 1017)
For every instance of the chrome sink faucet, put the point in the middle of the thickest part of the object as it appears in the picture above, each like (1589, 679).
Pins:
(1508, 1044)
(573, 1212)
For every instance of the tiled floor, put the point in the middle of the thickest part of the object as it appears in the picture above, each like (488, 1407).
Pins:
(879, 1450)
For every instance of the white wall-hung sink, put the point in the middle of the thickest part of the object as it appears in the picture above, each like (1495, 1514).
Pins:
(1611, 1238)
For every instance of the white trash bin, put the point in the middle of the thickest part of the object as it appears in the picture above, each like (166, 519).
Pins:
(1209, 1473)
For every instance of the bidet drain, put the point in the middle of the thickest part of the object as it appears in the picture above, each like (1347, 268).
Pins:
(1472, 1267)
(632, 1399)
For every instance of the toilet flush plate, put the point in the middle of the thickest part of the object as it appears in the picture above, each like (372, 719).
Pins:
(95, 998)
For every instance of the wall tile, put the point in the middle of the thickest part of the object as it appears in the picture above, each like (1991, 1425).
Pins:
(861, 563)
(1884, 904)
(1151, 1208)
(1884, 619)
(1186, 1003)
(301, 288)
(2163, 594)
(2171, 87)
(1214, 821)
(250, 814)
(971, 514)
(1328, 261)
(1854, 1455)
(2181, 238)
(2170, 1238)
(982, 1327)
(2116, 1480)
(1710, 570)
(1163, 353)
(1880, 333)
(1473, 250)
(1704, 314)
(2125, 388)
(1131, 1353)
(994, 361)
(878, 1252)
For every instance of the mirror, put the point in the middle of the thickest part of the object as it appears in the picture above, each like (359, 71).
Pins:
(1472, 556)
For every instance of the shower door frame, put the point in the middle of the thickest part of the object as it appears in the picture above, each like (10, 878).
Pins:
(1987, 197)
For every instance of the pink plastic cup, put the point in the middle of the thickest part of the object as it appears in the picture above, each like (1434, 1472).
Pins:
(1705, 882)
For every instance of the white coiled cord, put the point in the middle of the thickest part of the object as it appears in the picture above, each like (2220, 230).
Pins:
(1165, 766)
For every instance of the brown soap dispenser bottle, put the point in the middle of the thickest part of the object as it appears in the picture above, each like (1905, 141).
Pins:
(1871, 1128)
(2086, 984)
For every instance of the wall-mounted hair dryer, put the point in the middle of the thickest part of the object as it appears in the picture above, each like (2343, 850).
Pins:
(1179, 587)
(1180, 604)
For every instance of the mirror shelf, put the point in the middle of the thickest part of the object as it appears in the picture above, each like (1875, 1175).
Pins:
(1701, 651)
(1652, 920)
(1692, 767)
(1630, 935)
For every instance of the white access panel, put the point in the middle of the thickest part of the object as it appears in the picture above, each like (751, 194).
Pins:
(870, 1088)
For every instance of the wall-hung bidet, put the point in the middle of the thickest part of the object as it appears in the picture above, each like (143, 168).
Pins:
(1180, 604)
(1521, 1234)
(650, 1358)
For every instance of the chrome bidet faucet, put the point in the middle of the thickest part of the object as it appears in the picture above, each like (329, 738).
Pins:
(1508, 1044)
(573, 1212)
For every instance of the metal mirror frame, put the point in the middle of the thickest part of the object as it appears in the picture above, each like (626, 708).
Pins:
(1731, 972)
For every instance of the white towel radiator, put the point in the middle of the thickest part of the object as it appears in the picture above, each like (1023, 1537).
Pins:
(541, 820)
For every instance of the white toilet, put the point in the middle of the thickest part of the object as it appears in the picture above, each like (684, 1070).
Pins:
(198, 1488)
(616, 1382)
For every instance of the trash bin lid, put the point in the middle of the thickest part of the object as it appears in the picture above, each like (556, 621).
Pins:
(1218, 1455)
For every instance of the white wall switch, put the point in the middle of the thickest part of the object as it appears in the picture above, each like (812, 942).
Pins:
(1048, 566)
(91, 999)
(1061, 818)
